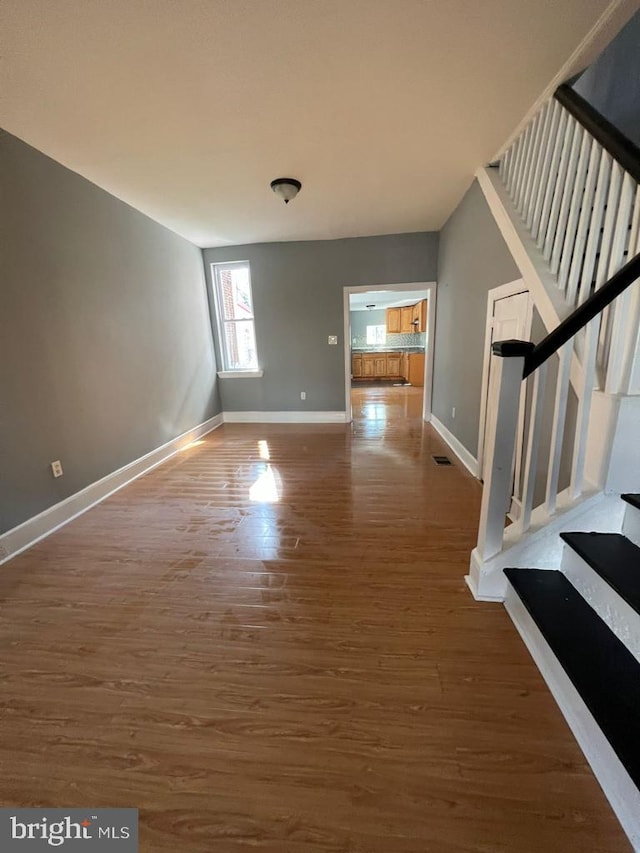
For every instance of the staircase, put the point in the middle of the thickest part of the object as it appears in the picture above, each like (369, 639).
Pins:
(566, 195)
(581, 624)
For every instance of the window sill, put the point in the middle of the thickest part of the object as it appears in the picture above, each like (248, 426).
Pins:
(240, 374)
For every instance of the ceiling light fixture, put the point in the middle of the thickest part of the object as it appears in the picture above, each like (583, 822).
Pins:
(286, 188)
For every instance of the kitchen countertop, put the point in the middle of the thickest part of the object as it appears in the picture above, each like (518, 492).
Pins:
(387, 349)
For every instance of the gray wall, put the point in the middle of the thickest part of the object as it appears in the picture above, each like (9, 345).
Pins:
(298, 303)
(472, 259)
(612, 83)
(105, 340)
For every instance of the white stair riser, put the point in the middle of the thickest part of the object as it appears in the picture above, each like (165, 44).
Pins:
(631, 524)
(607, 767)
(610, 607)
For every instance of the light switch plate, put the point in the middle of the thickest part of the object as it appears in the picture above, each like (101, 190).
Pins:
(333, 340)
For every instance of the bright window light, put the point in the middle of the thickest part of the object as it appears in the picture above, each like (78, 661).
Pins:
(234, 310)
(265, 489)
(376, 335)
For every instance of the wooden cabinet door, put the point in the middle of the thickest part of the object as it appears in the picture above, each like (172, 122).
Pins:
(416, 369)
(393, 365)
(368, 364)
(420, 316)
(393, 321)
(356, 365)
(380, 365)
(406, 319)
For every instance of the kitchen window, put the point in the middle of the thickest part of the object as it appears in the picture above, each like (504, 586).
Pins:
(376, 335)
(234, 312)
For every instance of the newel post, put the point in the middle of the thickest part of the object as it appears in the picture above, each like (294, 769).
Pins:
(507, 361)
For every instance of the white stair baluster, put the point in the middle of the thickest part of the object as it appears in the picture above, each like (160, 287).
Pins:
(597, 218)
(558, 192)
(533, 445)
(557, 431)
(568, 244)
(552, 136)
(553, 176)
(584, 223)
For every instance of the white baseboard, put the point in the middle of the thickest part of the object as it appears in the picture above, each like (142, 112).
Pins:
(468, 460)
(25, 535)
(607, 767)
(284, 417)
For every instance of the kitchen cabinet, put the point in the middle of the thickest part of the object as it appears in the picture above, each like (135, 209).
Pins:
(368, 367)
(394, 365)
(419, 317)
(406, 320)
(393, 321)
(416, 369)
(380, 366)
(388, 365)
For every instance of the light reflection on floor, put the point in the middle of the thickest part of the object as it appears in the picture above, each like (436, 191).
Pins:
(374, 406)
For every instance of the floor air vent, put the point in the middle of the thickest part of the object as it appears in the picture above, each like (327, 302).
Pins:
(441, 460)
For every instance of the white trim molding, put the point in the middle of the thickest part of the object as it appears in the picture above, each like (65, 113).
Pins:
(19, 538)
(468, 459)
(284, 417)
(240, 374)
(430, 287)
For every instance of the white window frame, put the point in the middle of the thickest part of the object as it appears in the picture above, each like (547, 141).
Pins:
(376, 326)
(229, 372)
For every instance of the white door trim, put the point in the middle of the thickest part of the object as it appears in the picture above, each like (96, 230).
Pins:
(511, 288)
(430, 287)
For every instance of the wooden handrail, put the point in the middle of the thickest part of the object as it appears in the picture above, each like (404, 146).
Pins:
(623, 150)
(596, 303)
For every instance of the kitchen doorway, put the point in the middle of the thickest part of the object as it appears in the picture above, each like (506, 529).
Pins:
(389, 350)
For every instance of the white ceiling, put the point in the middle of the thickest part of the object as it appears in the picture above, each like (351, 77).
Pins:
(187, 109)
(385, 299)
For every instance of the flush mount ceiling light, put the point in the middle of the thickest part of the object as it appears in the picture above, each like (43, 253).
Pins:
(286, 188)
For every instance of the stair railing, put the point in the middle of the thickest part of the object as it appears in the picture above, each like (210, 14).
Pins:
(574, 179)
(515, 361)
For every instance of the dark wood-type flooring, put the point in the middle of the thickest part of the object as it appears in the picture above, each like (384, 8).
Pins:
(267, 644)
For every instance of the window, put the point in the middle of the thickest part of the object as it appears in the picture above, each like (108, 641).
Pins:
(234, 309)
(376, 335)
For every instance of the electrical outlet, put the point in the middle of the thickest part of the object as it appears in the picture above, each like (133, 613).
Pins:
(333, 340)
(453, 412)
(303, 395)
(56, 468)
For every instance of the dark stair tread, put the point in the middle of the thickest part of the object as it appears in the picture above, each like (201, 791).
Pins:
(600, 667)
(614, 557)
(634, 500)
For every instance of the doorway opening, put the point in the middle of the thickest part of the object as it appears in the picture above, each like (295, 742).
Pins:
(389, 351)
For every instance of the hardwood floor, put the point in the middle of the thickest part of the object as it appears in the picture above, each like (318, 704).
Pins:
(267, 644)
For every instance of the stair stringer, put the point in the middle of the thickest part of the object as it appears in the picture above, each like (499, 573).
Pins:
(536, 274)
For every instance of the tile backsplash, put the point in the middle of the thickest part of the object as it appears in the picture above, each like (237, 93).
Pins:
(412, 339)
